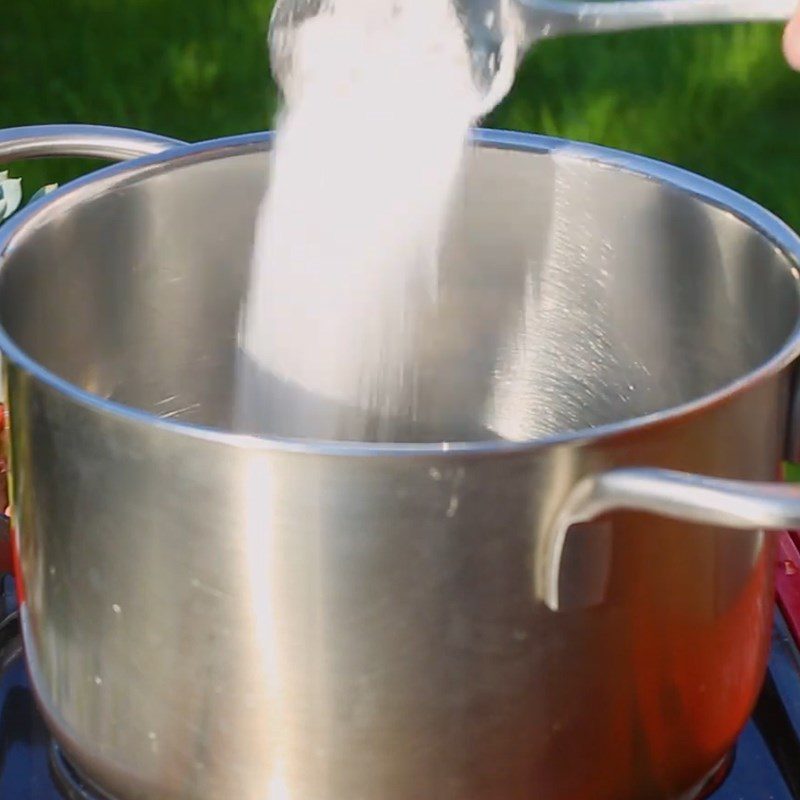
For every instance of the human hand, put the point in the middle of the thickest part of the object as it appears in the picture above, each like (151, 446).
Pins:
(791, 41)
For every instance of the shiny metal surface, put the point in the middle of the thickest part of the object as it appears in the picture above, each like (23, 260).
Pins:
(90, 141)
(547, 18)
(738, 505)
(210, 615)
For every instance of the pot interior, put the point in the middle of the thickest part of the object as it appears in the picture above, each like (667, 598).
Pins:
(573, 294)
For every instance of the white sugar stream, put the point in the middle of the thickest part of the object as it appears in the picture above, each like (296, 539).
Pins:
(368, 150)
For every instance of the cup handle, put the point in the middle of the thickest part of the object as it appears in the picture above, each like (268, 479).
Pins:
(741, 505)
(84, 141)
(572, 17)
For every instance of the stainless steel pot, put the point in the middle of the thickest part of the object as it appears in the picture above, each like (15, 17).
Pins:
(552, 604)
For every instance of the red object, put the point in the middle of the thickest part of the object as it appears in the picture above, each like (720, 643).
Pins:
(787, 580)
(20, 585)
(6, 554)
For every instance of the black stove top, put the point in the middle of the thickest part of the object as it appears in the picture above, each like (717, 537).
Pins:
(765, 766)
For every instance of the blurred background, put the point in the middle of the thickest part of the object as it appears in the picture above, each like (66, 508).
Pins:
(719, 101)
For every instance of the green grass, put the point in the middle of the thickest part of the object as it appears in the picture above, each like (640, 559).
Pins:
(718, 101)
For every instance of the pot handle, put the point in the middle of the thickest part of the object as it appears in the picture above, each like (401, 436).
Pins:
(85, 141)
(741, 505)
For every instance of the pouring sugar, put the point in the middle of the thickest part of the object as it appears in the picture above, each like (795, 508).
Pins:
(379, 101)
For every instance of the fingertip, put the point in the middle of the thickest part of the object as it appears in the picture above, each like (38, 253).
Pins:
(791, 43)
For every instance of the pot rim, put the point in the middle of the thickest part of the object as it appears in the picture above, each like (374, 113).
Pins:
(117, 176)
